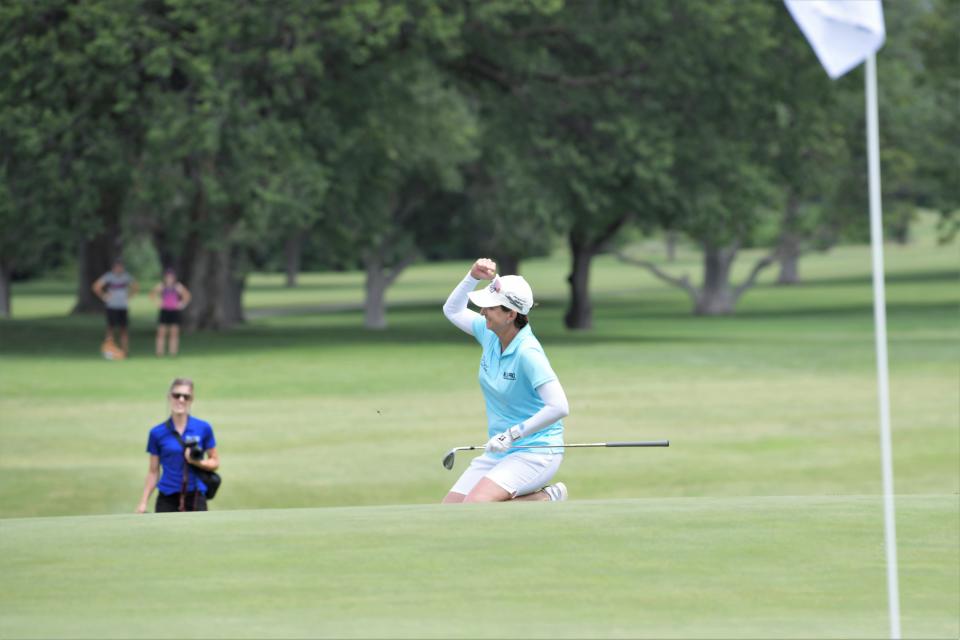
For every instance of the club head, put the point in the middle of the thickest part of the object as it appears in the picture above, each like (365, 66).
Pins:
(448, 459)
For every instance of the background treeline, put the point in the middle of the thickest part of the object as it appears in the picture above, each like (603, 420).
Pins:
(223, 136)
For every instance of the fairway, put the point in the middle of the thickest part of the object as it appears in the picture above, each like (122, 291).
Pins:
(762, 519)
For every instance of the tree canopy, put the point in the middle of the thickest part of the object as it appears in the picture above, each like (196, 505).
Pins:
(233, 136)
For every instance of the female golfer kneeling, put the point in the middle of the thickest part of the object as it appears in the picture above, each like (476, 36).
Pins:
(525, 402)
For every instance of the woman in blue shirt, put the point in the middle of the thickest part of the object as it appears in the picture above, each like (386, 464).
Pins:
(179, 487)
(524, 399)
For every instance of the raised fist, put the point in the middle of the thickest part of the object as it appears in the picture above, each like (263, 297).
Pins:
(484, 269)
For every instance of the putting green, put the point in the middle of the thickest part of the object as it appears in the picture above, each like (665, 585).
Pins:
(763, 567)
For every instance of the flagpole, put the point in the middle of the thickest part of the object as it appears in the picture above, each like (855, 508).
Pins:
(880, 322)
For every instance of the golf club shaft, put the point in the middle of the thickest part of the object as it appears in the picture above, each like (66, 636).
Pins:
(650, 443)
(448, 460)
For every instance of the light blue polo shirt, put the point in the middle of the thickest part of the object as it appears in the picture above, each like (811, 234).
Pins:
(509, 383)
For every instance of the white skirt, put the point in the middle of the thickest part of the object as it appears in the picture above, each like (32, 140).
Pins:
(518, 473)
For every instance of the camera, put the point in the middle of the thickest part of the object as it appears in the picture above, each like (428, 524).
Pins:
(192, 444)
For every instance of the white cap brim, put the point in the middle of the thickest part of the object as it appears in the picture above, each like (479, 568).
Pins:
(484, 298)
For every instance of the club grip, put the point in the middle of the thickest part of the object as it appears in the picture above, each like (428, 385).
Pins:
(654, 443)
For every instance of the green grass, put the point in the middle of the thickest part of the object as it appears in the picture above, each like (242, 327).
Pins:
(761, 520)
(792, 567)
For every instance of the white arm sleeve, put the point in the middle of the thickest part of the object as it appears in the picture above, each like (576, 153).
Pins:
(455, 308)
(554, 407)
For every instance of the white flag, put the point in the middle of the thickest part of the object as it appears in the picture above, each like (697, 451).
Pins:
(843, 33)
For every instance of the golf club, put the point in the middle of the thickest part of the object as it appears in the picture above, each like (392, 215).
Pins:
(451, 456)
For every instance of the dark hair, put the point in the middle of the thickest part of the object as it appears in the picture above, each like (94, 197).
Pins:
(520, 321)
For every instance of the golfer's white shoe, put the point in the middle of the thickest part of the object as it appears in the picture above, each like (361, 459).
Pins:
(557, 492)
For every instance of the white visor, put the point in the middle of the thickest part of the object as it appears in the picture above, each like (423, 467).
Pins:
(512, 292)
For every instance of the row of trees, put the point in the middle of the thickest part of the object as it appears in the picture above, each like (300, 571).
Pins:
(373, 133)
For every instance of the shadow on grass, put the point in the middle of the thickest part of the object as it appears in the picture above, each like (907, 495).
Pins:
(912, 277)
(619, 319)
(80, 336)
(622, 309)
(44, 288)
(895, 311)
(355, 286)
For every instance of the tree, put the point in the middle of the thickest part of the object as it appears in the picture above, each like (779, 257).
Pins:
(807, 145)
(403, 133)
(389, 131)
(293, 201)
(506, 212)
(917, 125)
(580, 78)
(721, 118)
(937, 38)
(63, 98)
(224, 156)
(405, 146)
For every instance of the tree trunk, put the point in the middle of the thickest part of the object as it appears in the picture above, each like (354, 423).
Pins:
(374, 303)
(584, 245)
(717, 296)
(95, 255)
(580, 312)
(788, 249)
(210, 271)
(671, 245)
(166, 256)
(94, 258)
(508, 265)
(379, 278)
(6, 275)
(789, 259)
(217, 292)
(236, 285)
(291, 252)
(899, 226)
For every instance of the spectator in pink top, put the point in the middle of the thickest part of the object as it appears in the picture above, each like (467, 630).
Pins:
(171, 297)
